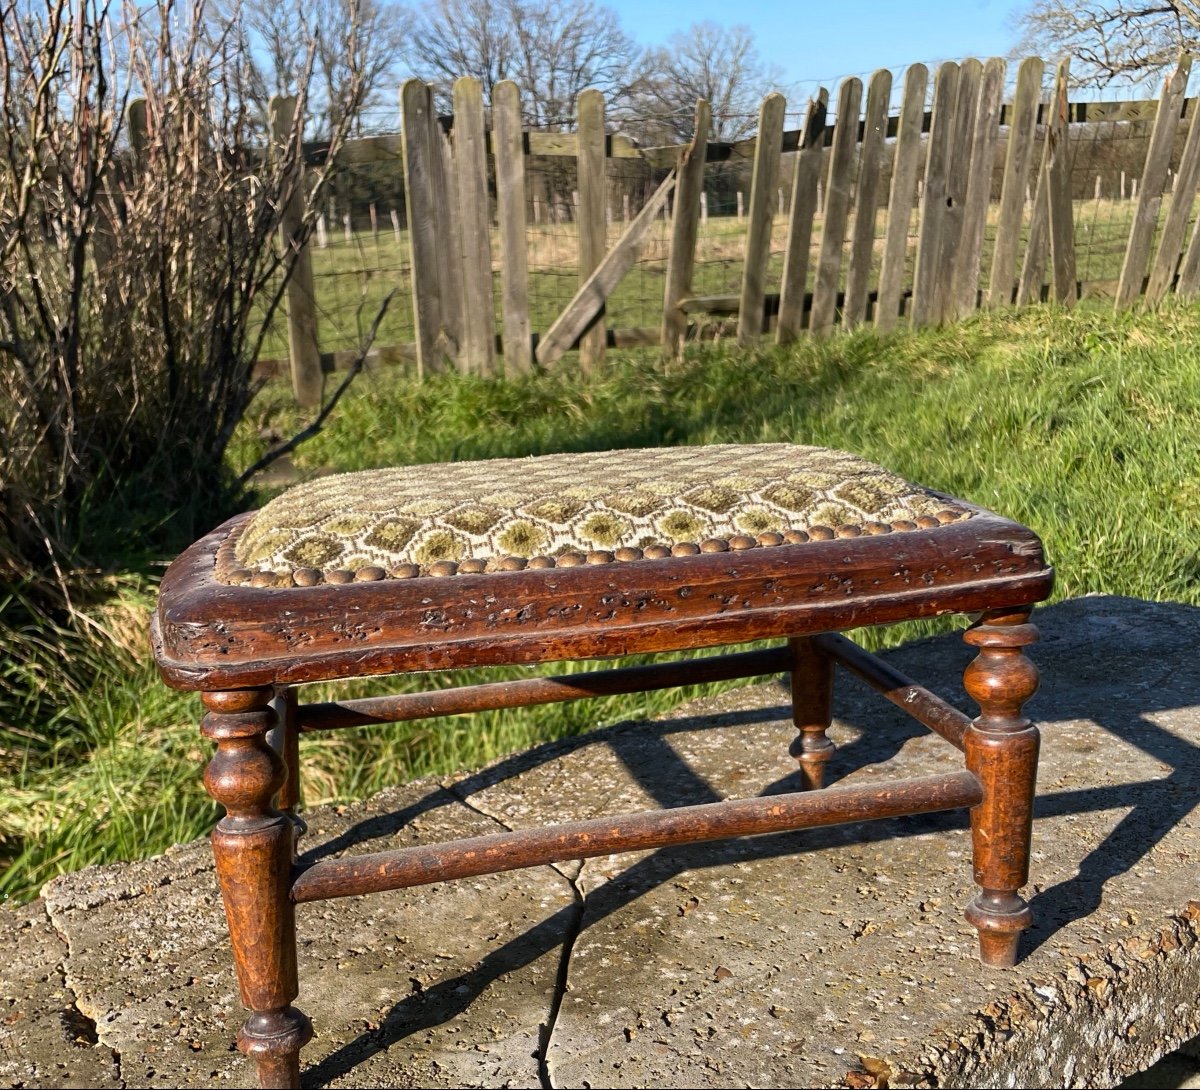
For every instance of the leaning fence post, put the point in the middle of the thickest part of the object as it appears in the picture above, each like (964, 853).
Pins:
(303, 349)
(1154, 177)
(422, 232)
(474, 218)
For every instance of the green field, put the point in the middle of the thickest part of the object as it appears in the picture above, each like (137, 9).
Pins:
(1084, 425)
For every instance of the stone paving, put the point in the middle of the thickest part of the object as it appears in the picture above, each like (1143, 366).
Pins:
(834, 957)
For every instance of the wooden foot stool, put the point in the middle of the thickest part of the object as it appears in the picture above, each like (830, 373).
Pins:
(583, 556)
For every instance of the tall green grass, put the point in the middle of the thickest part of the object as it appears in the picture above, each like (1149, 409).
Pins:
(1083, 425)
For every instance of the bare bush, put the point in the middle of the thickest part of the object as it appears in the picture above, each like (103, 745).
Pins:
(139, 267)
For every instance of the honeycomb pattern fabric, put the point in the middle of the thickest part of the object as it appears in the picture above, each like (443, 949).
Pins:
(570, 508)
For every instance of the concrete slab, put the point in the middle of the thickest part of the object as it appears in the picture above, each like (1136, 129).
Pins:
(830, 957)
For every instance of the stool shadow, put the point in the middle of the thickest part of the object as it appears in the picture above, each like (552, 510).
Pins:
(1155, 806)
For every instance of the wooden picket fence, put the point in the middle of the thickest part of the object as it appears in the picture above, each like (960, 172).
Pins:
(965, 163)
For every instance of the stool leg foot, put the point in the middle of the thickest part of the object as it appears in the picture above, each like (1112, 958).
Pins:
(1001, 749)
(812, 710)
(253, 847)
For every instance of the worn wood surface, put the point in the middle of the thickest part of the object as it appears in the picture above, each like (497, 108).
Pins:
(510, 208)
(377, 871)
(208, 635)
(575, 323)
(685, 229)
(905, 168)
(303, 343)
(811, 678)
(444, 187)
(806, 176)
(762, 215)
(253, 849)
(934, 197)
(839, 192)
(1183, 196)
(866, 199)
(1059, 206)
(1001, 748)
(1153, 181)
(1022, 127)
(964, 295)
(423, 241)
(593, 231)
(474, 217)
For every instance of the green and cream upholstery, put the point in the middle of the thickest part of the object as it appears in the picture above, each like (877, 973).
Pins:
(562, 510)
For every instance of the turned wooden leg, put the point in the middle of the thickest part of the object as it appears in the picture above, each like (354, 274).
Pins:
(812, 710)
(253, 846)
(285, 740)
(1001, 749)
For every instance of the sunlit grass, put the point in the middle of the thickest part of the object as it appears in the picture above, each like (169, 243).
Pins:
(1083, 425)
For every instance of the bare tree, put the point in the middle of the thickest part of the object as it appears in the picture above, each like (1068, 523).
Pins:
(351, 44)
(138, 277)
(1111, 40)
(552, 50)
(709, 61)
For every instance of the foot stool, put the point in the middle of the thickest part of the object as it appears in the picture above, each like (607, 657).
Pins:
(578, 556)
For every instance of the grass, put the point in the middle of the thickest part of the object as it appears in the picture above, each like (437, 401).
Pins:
(1084, 425)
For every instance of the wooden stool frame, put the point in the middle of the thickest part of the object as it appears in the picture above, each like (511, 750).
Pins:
(243, 648)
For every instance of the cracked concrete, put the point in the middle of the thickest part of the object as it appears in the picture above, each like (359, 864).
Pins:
(832, 957)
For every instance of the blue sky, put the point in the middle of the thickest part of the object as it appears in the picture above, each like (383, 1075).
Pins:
(813, 42)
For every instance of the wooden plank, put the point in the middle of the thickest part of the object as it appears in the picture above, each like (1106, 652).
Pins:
(509, 153)
(866, 201)
(303, 345)
(806, 176)
(838, 192)
(422, 227)
(1183, 195)
(576, 321)
(1059, 206)
(1150, 189)
(1021, 130)
(477, 352)
(979, 189)
(566, 145)
(681, 261)
(934, 196)
(762, 216)
(593, 229)
(1033, 265)
(958, 175)
(448, 252)
(905, 165)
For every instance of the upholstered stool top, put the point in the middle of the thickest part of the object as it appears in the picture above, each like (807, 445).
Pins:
(567, 509)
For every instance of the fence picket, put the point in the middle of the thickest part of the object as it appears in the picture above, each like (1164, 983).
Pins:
(470, 163)
(422, 226)
(444, 185)
(806, 175)
(1183, 194)
(905, 167)
(681, 261)
(966, 259)
(593, 231)
(303, 344)
(1059, 207)
(762, 216)
(1017, 158)
(837, 208)
(1154, 177)
(862, 244)
(510, 199)
(934, 196)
